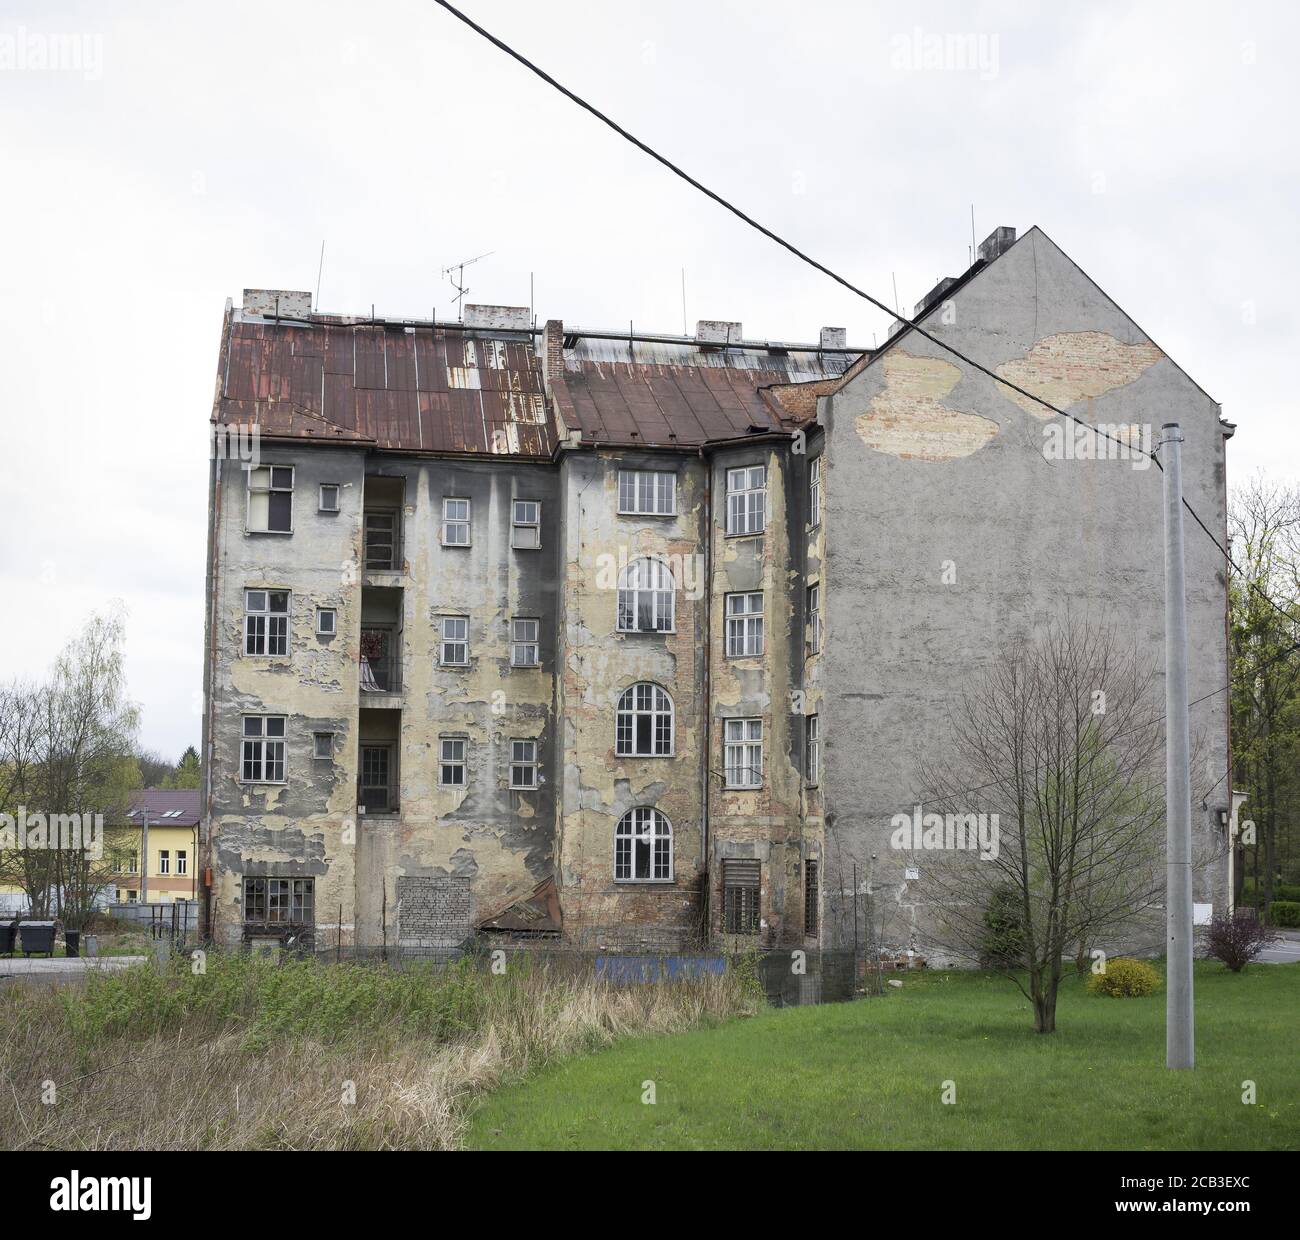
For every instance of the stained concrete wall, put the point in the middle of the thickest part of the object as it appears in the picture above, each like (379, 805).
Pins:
(932, 464)
(310, 826)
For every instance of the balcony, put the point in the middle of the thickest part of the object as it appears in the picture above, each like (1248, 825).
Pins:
(378, 782)
(382, 525)
(380, 670)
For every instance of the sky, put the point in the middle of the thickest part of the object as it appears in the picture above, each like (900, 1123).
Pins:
(156, 159)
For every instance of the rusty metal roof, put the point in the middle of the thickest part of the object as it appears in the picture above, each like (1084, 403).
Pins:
(420, 387)
(393, 387)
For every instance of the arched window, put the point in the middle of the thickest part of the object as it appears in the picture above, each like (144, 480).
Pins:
(644, 722)
(643, 846)
(645, 598)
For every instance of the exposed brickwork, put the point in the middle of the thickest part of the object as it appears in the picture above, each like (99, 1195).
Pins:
(433, 911)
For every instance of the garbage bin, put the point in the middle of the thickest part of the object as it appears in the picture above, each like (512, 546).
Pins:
(72, 942)
(6, 938)
(92, 945)
(37, 936)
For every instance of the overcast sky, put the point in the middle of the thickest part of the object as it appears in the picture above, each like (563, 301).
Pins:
(178, 153)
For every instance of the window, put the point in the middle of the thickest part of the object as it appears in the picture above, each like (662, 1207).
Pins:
(814, 619)
(381, 541)
(643, 847)
(132, 897)
(133, 866)
(741, 884)
(327, 622)
(280, 901)
(164, 861)
(525, 648)
(270, 499)
(811, 891)
(644, 722)
(747, 500)
(455, 641)
(329, 497)
(744, 624)
(743, 752)
(813, 757)
(815, 492)
(526, 534)
(523, 764)
(182, 862)
(266, 622)
(647, 492)
(377, 791)
(455, 523)
(263, 751)
(323, 746)
(451, 761)
(645, 598)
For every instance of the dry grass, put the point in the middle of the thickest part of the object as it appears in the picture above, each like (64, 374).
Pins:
(258, 1056)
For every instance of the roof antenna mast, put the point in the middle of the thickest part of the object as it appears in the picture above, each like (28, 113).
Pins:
(457, 282)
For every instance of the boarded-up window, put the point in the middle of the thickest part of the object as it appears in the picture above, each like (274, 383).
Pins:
(740, 892)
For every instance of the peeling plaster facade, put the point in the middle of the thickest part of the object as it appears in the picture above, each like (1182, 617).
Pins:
(923, 463)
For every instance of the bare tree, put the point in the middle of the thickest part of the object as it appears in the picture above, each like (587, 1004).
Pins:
(1044, 831)
(67, 749)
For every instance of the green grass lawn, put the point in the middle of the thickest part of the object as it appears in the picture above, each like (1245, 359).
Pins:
(869, 1075)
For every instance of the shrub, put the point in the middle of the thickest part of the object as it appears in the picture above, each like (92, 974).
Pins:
(1237, 940)
(1125, 979)
(1004, 933)
(1284, 913)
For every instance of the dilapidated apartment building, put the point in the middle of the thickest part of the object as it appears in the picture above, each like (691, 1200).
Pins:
(636, 640)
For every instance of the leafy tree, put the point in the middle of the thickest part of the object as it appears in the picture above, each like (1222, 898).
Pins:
(186, 774)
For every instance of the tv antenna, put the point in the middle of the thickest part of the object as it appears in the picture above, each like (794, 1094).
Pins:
(457, 281)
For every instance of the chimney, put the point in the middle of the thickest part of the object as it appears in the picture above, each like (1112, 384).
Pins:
(498, 318)
(998, 242)
(834, 338)
(552, 352)
(718, 332)
(277, 303)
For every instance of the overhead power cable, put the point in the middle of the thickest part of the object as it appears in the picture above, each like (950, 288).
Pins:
(827, 271)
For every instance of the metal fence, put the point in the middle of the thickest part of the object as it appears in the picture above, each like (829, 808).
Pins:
(176, 919)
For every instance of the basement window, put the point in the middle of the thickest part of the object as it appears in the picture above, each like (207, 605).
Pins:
(451, 761)
(266, 622)
(743, 752)
(523, 764)
(744, 624)
(280, 901)
(455, 522)
(740, 896)
(525, 646)
(811, 892)
(526, 533)
(263, 749)
(455, 641)
(329, 497)
(647, 492)
(747, 500)
(270, 499)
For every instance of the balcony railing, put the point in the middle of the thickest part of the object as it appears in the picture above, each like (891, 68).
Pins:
(378, 800)
(383, 542)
